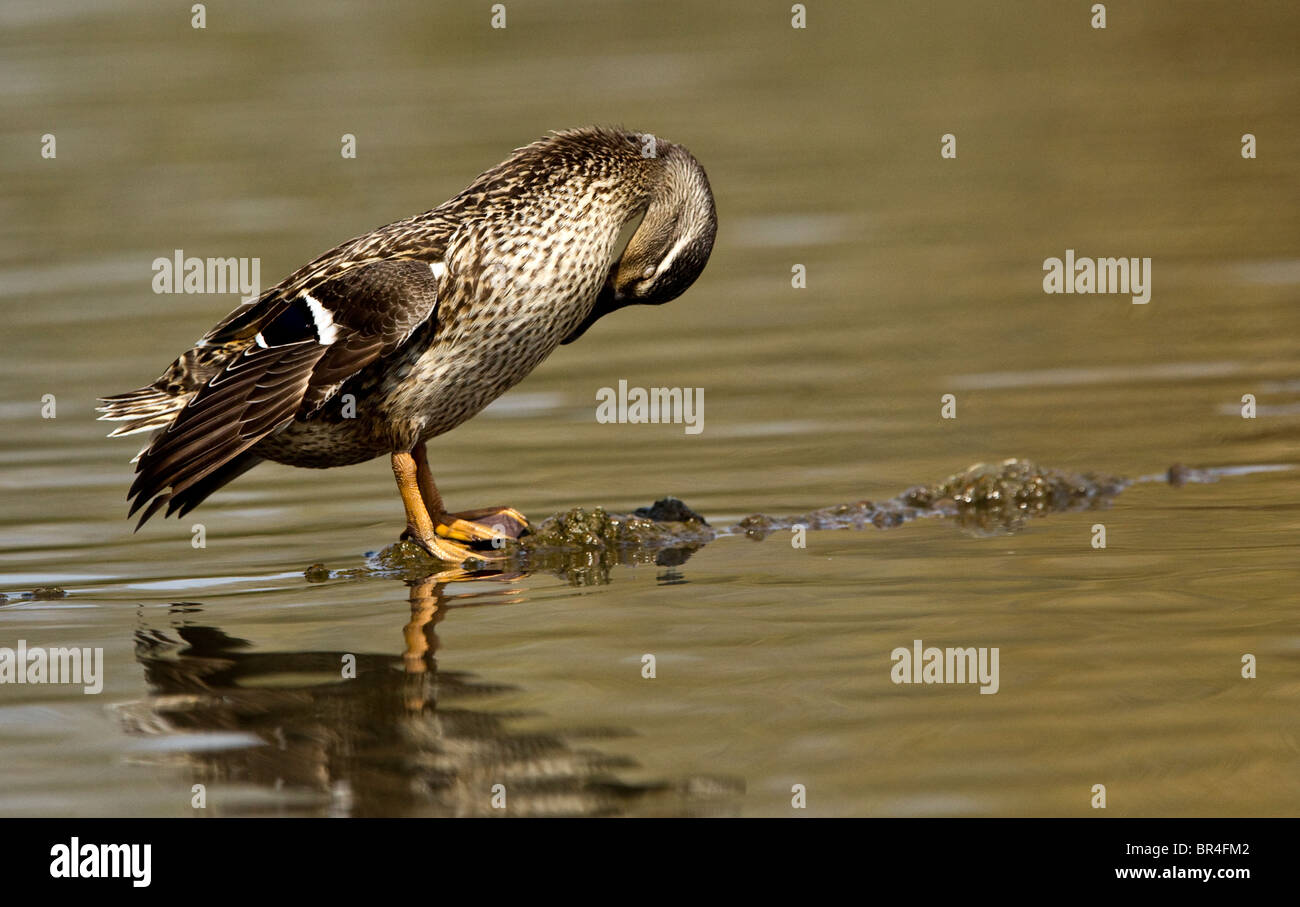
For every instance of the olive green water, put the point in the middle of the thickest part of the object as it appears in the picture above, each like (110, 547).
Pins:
(1118, 666)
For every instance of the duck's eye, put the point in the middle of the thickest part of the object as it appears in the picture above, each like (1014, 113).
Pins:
(648, 272)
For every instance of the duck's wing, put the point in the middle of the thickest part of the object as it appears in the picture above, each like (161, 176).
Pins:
(283, 356)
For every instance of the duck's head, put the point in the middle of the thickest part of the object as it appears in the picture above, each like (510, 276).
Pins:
(672, 242)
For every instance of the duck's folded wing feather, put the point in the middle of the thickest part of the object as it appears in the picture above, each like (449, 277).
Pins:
(288, 355)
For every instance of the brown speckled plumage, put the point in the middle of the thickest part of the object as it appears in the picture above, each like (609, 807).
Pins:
(407, 331)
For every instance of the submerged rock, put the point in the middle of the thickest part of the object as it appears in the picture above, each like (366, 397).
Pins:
(317, 573)
(1022, 484)
(669, 510)
(583, 545)
(599, 531)
(40, 593)
(403, 557)
(1001, 496)
(984, 498)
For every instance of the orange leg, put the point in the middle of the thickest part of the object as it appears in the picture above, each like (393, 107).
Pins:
(419, 523)
(424, 477)
(469, 525)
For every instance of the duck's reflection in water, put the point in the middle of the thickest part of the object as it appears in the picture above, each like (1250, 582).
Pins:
(286, 733)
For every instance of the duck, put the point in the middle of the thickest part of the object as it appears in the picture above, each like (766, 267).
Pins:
(401, 334)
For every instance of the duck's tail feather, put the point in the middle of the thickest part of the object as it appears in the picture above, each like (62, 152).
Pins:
(147, 409)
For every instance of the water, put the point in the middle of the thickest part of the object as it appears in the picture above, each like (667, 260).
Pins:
(1119, 666)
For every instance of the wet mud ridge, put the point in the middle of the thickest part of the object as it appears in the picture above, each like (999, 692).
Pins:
(986, 499)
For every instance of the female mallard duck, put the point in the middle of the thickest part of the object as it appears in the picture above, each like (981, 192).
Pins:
(404, 333)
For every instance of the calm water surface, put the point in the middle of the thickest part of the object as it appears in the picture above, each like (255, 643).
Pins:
(1118, 666)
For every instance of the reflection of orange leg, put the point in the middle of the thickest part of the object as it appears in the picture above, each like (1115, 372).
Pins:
(419, 523)
(421, 641)
(468, 525)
